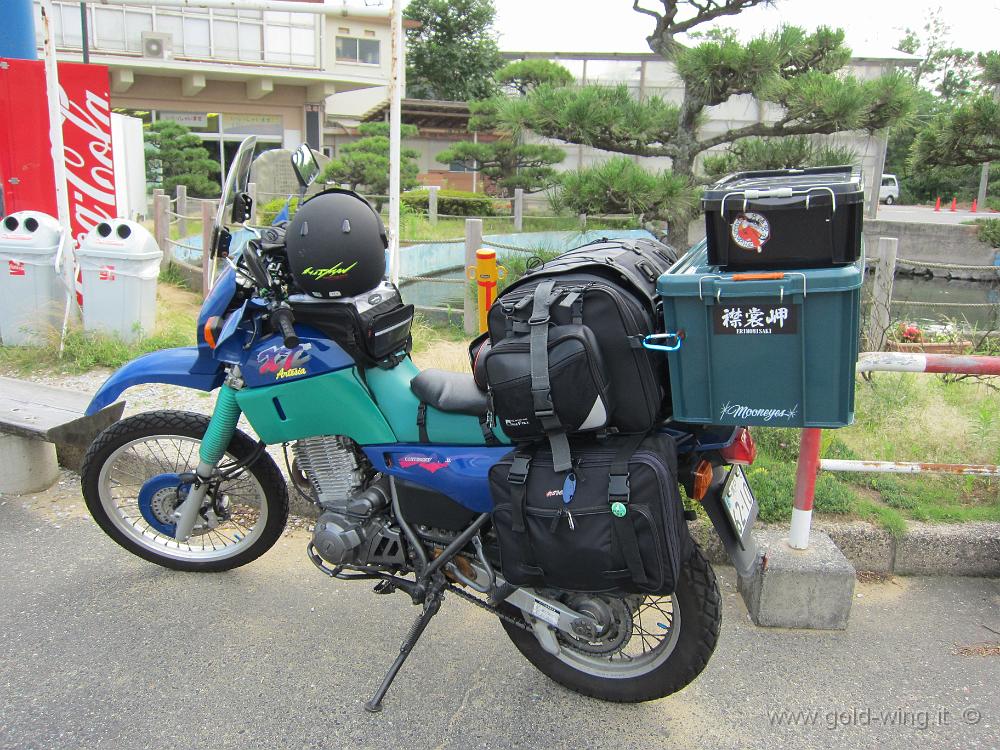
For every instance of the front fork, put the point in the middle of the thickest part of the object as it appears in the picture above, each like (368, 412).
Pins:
(221, 429)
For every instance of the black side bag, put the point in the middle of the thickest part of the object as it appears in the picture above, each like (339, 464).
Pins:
(374, 328)
(615, 523)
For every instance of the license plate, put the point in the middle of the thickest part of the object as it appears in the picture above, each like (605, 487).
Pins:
(739, 503)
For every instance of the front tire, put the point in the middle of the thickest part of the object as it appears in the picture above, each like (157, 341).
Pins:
(153, 447)
(889, 200)
(694, 630)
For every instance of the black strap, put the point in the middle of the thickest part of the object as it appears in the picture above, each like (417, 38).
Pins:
(628, 543)
(619, 491)
(518, 479)
(422, 423)
(488, 434)
(541, 390)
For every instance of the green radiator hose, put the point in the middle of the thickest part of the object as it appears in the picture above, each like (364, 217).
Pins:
(221, 427)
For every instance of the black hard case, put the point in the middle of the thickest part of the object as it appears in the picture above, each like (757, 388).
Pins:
(785, 218)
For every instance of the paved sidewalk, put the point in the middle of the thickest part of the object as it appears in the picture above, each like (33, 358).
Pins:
(100, 649)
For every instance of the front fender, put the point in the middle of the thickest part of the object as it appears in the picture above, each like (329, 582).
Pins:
(184, 366)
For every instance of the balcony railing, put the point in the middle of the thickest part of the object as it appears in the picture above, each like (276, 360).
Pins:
(219, 35)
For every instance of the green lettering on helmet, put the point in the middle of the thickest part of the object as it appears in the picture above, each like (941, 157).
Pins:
(323, 273)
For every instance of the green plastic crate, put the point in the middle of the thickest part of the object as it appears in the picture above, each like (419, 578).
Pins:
(771, 349)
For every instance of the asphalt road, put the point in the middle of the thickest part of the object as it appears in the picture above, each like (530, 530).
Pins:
(102, 650)
(927, 214)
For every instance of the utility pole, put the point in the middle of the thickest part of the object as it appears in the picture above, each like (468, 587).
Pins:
(84, 33)
(55, 116)
(395, 145)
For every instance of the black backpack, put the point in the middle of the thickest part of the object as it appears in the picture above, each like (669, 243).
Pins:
(566, 345)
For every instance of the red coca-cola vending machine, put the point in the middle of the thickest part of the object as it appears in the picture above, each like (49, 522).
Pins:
(26, 169)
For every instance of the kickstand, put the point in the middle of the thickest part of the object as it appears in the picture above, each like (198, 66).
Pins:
(431, 607)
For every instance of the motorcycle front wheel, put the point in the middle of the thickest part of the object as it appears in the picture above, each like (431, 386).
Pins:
(133, 478)
(655, 647)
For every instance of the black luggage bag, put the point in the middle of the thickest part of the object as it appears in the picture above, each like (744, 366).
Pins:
(615, 523)
(609, 287)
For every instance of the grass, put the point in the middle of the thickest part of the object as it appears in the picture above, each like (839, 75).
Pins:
(415, 227)
(171, 274)
(900, 417)
(176, 318)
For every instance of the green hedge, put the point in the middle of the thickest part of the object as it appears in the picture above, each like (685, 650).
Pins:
(451, 202)
(267, 212)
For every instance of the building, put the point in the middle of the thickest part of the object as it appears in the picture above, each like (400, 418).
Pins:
(228, 73)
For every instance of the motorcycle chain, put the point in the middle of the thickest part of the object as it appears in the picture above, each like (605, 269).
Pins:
(516, 622)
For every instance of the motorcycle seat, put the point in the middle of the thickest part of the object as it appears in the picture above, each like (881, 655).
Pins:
(450, 391)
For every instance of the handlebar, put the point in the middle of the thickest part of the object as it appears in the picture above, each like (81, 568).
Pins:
(282, 320)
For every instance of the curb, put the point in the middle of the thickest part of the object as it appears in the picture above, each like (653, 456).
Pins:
(967, 549)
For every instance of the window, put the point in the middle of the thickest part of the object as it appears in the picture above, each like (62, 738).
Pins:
(366, 51)
(462, 166)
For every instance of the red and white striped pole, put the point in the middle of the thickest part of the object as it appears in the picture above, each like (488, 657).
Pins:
(805, 488)
(959, 364)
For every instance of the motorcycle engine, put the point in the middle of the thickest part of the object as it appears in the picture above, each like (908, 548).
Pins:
(354, 527)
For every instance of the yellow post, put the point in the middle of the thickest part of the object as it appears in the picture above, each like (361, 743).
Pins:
(486, 273)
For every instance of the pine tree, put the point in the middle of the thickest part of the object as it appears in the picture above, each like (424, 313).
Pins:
(176, 156)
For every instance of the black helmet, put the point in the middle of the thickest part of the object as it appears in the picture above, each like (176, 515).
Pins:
(336, 245)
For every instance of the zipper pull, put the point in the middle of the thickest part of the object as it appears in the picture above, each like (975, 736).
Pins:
(569, 516)
(569, 488)
(555, 521)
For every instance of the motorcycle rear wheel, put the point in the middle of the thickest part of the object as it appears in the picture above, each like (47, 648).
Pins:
(668, 660)
(163, 444)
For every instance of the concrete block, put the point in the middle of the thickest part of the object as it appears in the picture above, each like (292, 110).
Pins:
(968, 549)
(26, 465)
(812, 588)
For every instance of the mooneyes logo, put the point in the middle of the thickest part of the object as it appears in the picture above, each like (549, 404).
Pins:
(325, 273)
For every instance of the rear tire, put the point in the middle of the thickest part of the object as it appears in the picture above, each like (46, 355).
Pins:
(889, 200)
(700, 616)
(260, 493)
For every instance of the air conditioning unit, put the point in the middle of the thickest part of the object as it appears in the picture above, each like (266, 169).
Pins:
(157, 45)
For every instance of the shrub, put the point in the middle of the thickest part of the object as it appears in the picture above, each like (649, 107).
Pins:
(267, 213)
(989, 231)
(451, 202)
(620, 186)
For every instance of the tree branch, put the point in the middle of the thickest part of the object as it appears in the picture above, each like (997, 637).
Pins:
(781, 127)
(645, 11)
(710, 11)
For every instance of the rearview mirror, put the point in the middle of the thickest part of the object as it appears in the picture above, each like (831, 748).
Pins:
(305, 165)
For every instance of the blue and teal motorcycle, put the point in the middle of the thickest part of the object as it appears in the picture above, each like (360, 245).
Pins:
(403, 502)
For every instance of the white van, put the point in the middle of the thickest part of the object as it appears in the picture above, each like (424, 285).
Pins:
(889, 192)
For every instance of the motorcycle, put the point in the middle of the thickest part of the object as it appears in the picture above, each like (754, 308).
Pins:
(195, 493)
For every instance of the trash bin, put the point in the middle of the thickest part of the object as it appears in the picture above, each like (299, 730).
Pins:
(120, 263)
(770, 349)
(32, 298)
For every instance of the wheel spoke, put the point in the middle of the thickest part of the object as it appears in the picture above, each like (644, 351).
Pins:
(136, 462)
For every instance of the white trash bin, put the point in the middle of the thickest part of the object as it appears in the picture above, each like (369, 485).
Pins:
(32, 298)
(120, 263)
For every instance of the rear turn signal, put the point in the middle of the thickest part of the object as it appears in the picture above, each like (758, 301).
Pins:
(211, 330)
(702, 480)
(742, 451)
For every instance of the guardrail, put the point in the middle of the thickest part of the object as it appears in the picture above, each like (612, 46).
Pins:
(810, 463)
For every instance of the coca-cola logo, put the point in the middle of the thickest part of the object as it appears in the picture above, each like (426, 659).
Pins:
(90, 171)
